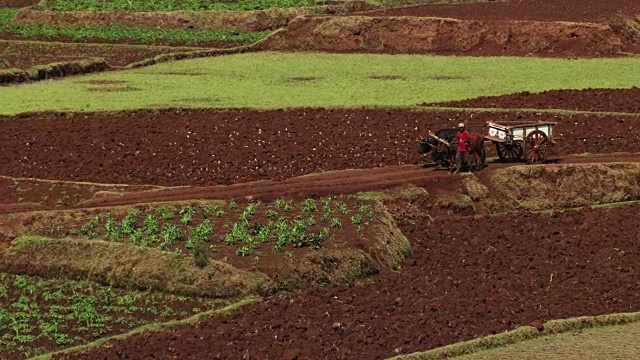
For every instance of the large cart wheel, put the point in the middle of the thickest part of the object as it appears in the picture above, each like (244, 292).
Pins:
(537, 146)
(509, 152)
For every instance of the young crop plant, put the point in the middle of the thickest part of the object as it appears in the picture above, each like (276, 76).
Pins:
(336, 223)
(113, 230)
(366, 210)
(233, 205)
(271, 214)
(238, 233)
(282, 204)
(250, 210)
(136, 236)
(90, 228)
(262, 234)
(309, 205)
(326, 213)
(164, 212)
(356, 219)
(244, 250)
(170, 234)
(128, 224)
(150, 225)
(283, 234)
(200, 233)
(342, 207)
(186, 215)
(298, 233)
(310, 221)
(212, 209)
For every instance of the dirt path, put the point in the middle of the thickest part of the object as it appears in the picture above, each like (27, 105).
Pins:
(463, 280)
(205, 147)
(315, 185)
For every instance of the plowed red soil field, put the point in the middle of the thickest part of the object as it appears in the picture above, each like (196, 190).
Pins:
(204, 147)
(24, 54)
(464, 279)
(615, 100)
(538, 10)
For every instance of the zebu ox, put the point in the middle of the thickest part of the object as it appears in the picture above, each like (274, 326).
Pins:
(444, 154)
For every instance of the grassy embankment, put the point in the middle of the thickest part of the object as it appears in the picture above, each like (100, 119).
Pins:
(280, 80)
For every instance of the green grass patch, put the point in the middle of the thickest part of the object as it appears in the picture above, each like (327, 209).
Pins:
(7, 16)
(614, 342)
(172, 5)
(269, 80)
(553, 342)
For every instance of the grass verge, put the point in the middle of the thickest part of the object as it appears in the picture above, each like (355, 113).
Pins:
(268, 80)
(612, 342)
(153, 327)
(523, 334)
(128, 267)
(564, 186)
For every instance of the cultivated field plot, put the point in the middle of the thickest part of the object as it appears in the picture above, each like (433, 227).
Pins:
(540, 10)
(319, 80)
(606, 100)
(462, 280)
(274, 205)
(226, 147)
(25, 54)
(550, 28)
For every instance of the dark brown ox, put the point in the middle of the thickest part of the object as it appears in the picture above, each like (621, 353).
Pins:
(446, 155)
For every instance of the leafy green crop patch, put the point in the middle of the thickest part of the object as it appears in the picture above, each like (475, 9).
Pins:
(172, 5)
(223, 230)
(134, 33)
(38, 315)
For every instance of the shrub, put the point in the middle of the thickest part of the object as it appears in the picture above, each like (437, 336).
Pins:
(201, 254)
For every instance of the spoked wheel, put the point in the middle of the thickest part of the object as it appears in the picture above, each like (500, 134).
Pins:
(536, 147)
(509, 152)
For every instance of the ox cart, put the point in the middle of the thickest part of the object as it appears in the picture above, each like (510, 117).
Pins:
(516, 140)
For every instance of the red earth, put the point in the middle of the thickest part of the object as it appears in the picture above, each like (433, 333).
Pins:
(24, 54)
(204, 147)
(464, 279)
(614, 100)
(538, 10)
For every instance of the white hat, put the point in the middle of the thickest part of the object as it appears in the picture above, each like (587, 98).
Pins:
(461, 125)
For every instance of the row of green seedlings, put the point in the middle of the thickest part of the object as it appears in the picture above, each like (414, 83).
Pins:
(286, 232)
(115, 32)
(25, 321)
(172, 5)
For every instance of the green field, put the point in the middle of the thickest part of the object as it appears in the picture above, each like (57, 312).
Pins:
(615, 342)
(281, 80)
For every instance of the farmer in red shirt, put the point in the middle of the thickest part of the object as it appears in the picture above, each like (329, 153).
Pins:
(462, 139)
